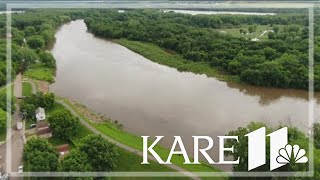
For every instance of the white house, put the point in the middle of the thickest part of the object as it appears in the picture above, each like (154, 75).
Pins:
(40, 114)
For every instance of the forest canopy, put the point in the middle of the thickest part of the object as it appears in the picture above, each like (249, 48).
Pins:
(279, 61)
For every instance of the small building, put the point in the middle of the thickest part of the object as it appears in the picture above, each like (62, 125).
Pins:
(63, 149)
(45, 133)
(43, 129)
(40, 114)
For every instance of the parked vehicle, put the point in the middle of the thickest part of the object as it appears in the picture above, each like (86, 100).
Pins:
(19, 125)
(33, 126)
(20, 169)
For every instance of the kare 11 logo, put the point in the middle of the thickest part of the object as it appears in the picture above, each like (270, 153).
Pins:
(281, 153)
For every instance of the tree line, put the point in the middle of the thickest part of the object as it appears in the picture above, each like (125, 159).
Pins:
(281, 61)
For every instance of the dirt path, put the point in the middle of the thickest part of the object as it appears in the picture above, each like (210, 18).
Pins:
(123, 146)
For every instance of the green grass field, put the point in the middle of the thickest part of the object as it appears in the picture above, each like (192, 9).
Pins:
(41, 72)
(235, 32)
(134, 141)
(3, 89)
(26, 89)
(160, 56)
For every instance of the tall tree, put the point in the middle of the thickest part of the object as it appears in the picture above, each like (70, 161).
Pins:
(63, 124)
(102, 155)
(76, 161)
(40, 155)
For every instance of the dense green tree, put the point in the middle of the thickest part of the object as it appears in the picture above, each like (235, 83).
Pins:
(271, 35)
(17, 36)
(3, 117)
(2, 79)
(3, 102)
(34, 145)
(76, 161)
(251, 29)
(25, 57)
(28, 109)
(192, 37)
(35, 42)
(276, 29)
(270, 53)
(63, 124)
(42, 161)
(48, 36)
(30, 31)
(102, 155)
(47, 59)
(40, 99)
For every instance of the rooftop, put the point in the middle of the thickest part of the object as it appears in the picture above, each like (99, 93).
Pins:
(40, 110)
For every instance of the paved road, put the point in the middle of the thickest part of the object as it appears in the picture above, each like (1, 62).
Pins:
(128, 148)
(16, 140)
(17, 90)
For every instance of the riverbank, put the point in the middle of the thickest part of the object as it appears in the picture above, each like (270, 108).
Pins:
(86, 129)
(171, 59)
(112, 130)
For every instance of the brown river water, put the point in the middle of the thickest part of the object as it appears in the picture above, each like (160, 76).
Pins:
(152, 99)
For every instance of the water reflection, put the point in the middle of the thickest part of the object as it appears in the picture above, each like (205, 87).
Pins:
(269, 95)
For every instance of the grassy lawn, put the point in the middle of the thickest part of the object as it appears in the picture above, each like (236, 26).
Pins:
(260, 28)
(132, 163)
(134, 141)
(26, 89)
(83, 132)
(3, 89)
(160, 56)
(41, 72)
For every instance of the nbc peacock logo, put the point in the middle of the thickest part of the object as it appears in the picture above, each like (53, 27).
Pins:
(292, 154)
